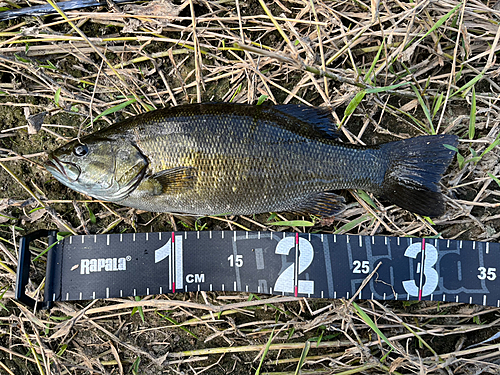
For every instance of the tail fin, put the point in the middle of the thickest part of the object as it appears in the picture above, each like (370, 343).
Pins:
(414, 170)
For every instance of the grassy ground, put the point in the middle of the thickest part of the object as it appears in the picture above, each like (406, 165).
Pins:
(392, 70)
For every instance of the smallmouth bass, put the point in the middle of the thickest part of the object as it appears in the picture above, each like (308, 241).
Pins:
(223, 158)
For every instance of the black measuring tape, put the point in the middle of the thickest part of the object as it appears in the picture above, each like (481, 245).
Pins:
(45, 10)
(293, 264)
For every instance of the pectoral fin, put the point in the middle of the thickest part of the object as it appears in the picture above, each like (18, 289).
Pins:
(172, 180)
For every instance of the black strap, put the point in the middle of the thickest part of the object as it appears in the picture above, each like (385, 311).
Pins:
(305, 265)
(45, 10)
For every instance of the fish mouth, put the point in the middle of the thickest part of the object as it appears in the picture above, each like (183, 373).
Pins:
(57, 166)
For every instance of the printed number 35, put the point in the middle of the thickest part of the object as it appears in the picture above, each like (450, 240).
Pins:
(487, 273)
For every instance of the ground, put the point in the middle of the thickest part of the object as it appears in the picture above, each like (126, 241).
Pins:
(390, 70)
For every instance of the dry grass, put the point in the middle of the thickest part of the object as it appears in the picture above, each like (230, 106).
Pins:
(434, 67)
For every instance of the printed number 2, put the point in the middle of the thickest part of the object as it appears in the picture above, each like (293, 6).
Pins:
(489, 273)
(285, 281)
(431, 275)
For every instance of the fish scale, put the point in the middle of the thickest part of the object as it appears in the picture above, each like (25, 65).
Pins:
(291, 168)
(222, 158)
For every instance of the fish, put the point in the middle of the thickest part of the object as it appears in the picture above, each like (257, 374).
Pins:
(241, 159)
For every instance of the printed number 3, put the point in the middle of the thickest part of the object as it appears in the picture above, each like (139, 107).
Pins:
(285, 281)
(489, 273)
(431, 275)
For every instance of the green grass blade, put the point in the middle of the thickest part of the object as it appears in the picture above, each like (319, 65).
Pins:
(236, 92)
(177, 324)
(354, 103)
(472, 82)
(60, 237)
(460, 158)
(62, 349)
(375, 90)
(437, 104)
(57, 97)
(364, 195)
(303, 356)
(450, 147)
(492, 146)
(135, 366)
(424, 108)
(294, 223)
(116, 108)
(374, 63)
(494, 178)
(4, 290)
(420, 124)
(422, 342)
(262, 99)
(352, 224)
(438, 24)
(91, 214)
(372, 324)
(472, 121)
(429, 220)
(139, 310)
(266, 350)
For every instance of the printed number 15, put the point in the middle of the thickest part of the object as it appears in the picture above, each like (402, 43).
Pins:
(235, 260)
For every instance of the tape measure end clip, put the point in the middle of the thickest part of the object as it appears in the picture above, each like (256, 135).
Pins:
(23, 268)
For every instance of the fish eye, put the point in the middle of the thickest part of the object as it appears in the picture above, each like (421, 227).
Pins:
(81, 150)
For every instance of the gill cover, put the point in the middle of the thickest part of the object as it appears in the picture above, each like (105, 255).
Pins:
(102, 168)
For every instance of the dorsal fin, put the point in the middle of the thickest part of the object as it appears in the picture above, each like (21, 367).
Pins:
(317, 121)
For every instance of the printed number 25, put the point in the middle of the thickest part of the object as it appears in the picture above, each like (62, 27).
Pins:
(285, 281)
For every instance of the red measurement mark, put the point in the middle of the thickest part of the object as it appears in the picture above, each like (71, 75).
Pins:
(172, 256)
(421, 270)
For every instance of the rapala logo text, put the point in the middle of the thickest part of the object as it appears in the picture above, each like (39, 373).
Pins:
(103, 264)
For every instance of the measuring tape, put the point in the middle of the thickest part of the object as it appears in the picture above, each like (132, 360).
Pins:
(293, 264)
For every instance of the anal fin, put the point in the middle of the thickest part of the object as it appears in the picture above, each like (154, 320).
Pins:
(322, 204)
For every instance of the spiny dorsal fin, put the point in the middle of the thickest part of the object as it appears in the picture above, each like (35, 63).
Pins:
(317, 121)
